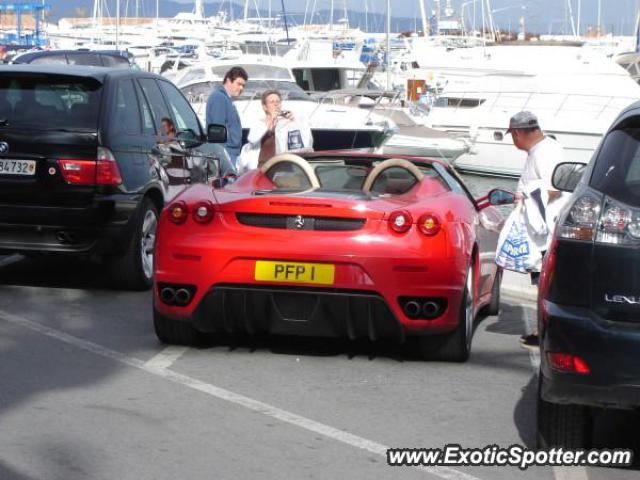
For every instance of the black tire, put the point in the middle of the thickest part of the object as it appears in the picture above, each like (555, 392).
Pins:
(569, 426)
(131, 271)
(494, 306)
(456, 346)
(176, 332)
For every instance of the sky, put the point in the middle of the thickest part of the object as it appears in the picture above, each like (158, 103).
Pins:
(540, 14)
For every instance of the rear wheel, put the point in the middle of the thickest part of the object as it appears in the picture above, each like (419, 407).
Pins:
(134, 269)
(455, 347)
(567, 426)
(176, 332)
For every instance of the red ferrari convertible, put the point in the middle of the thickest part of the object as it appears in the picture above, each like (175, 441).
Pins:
(331, 245)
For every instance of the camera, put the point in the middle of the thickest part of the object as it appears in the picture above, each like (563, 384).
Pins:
(283, 113)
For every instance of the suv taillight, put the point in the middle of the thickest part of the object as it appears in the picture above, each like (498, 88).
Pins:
(108, 172)
(78, 172)
(101, 171)
(603, 220)
(581, 221)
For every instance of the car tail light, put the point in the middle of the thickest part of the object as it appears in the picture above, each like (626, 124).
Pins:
(581, 221)
(203, 212)
(619, 224)
(565, 362)
(101, 171)
(108, 172)
(546, 278)
(78, 172)
(400, 221)
(429, 224)
(178, 212)
(604, 221)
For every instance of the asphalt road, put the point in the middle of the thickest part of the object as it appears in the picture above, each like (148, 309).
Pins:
(87, 392)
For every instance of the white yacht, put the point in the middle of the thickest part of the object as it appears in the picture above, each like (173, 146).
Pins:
(575, 92)
(333, 127)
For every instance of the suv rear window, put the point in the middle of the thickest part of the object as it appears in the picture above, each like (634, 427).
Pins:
(617, 168)
(51, 102)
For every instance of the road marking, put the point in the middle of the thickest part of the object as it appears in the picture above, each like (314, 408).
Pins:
(560, 473)
(166, 357)
(229, 396)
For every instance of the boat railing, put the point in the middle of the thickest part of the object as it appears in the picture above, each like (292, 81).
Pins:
(490, 101)
(349, 97)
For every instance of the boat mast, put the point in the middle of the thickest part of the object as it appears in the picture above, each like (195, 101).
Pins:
(573, 25)
(286, 27)
(423, 17)
(117, 24)
(366, 16)
(199, 9)
(579, 13)
(388, 62)
(331, 17)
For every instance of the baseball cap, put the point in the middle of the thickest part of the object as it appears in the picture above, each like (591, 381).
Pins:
(523, 120)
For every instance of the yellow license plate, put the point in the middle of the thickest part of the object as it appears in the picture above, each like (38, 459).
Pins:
(318, 273)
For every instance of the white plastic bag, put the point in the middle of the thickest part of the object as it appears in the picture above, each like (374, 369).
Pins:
(518, 249)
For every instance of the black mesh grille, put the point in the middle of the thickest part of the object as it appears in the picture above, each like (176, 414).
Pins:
(262, 220)
(300, 222)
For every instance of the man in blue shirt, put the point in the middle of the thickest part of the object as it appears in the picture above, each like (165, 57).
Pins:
(220, 109)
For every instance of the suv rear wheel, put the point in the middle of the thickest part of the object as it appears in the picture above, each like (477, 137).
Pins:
(134, 269)
(567, 426)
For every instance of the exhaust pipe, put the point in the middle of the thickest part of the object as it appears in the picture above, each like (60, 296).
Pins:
(430, 309)
(183, 296)
(168, 295)
(411, 309)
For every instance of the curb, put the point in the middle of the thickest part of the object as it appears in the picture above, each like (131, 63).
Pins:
(522, 293)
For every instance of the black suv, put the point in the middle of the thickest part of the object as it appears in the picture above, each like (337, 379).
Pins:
(589, 296)
(93, 58)
(84, 168)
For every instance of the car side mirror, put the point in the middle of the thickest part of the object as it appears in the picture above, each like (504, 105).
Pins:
(188, 138)
(567, 175)
(498, 196)
(216, 133)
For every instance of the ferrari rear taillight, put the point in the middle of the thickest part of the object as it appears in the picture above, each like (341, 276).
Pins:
(101, 171)
(400, 221)
(203, 212)
(178, 212)
(565, 362)
(429, 224)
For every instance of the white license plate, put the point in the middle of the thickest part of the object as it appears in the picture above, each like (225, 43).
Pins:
(10, 166)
